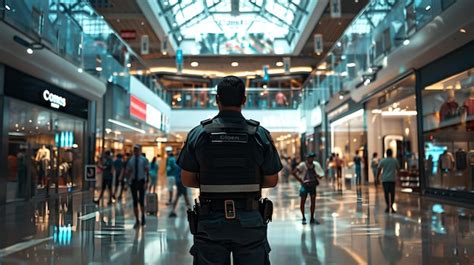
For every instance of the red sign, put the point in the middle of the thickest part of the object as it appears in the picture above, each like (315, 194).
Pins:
(137, 108)
(128, 34)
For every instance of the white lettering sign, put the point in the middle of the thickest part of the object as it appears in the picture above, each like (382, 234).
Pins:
(55, 100)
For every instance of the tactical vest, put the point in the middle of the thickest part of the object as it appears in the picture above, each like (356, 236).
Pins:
(230, 169)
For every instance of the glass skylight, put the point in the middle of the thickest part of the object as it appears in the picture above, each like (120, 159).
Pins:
(235, 27)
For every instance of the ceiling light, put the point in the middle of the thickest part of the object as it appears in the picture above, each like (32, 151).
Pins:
(341, 97)
(339, 44)
(143, 23)
(427, 8)
(279, 64)
(351, 65)
(29, 51)
(80, 70)
(406, 42)
(164, 52)
(234, 64)
(265, 86)
(129, 65)
(462, 30)
(7, 7)
(194, 64)
(98, 69)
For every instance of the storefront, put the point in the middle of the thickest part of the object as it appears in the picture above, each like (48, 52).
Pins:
(133, 117)
(392, 124)
(447, 138)
(44, 139)
(348, 136)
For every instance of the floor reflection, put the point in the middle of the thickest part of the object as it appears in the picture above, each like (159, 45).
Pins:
(354, 230)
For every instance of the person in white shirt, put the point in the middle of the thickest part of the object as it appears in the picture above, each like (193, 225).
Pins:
(308, 174)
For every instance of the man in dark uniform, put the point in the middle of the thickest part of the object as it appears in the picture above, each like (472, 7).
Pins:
(230, 159)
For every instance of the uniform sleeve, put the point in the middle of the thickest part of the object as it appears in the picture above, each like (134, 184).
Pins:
(271, 159)
(187, 157)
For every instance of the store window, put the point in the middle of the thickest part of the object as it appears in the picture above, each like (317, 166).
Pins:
(348, 136)
(392, 124)
(448, 123)
(45, 150)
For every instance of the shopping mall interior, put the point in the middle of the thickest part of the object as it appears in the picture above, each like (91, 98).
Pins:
(84, 82)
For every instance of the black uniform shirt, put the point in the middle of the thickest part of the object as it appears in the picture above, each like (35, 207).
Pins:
(188, 161)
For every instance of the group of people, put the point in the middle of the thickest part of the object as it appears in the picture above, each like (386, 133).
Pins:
(310, 172)
(141, 175)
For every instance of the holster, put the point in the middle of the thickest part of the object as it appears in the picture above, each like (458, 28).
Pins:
(193, 216)
(266, 209)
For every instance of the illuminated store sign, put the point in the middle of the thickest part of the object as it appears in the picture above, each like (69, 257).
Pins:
(56, 101)
(137, 108)
(153, 116)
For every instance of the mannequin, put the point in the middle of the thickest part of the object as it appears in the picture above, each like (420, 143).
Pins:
(461, 159)
(468, 108)
(446, 161)
(450, 107)
(42, 157)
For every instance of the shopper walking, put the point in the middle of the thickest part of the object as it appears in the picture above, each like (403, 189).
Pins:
(181, 190)
(388, 168)
(107, 176)
(154, 168)
(374, 164)
(358, 168)
(138, 174)
(308, 174)
(339, 163)
(119, 168)
(286, 171)
(170, 175)
(331, 168)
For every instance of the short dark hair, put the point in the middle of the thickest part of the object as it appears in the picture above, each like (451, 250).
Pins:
(389, 152)
(231, 91)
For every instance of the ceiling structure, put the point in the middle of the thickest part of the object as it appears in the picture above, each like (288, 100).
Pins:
(130, 15)
(223, 27)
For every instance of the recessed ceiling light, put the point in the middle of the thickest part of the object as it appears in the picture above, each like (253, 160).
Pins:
(129, 65)
(406, 42)
(7, 7)
(80, 70)
(29, 51)
(143, 23)
(234, 64)
(341, 97)
(194, 64)
(462, 30)
(351, 65)
(427, 8)
(279, 64)
(98, 69)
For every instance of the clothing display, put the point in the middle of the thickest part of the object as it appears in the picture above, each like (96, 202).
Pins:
(43, 153)
(446, 161)
(461, 160)
(469, 110)
(448, 110)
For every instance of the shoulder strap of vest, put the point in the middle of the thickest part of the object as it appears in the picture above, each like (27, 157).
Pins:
(252, 126)
(206, 122)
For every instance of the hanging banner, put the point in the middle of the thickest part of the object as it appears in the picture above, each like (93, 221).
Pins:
(145, 45)
(318, 44)
(179, 61)
(287, 65)
(336, 8)
(266, 75)
(164, 46)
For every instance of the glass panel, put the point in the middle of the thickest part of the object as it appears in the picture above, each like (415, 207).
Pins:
(448, 119)
(45, 150)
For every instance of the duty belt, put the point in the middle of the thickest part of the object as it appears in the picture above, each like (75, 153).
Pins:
(230, 188)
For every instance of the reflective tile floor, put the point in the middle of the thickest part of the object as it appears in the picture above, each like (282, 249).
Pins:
(354, 230)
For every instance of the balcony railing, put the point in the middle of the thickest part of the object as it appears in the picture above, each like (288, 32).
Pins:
(257, 98)
(382, 27)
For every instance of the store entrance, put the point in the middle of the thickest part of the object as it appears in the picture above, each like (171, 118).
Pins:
(45, 151)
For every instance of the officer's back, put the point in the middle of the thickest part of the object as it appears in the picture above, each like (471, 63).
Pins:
(230, 159)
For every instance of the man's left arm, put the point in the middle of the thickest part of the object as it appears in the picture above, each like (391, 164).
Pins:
(271, 162)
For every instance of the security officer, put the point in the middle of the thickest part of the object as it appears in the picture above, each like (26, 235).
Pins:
(229, 159)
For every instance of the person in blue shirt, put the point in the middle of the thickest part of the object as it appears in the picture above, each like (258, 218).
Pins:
(170, 175)
(154, 168)
(181, 191)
